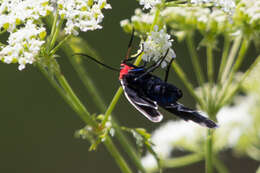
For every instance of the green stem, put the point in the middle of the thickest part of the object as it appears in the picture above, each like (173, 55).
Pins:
(210, 66)
(235, 90)
(224, 57)
(114, 152)
(210, 71)
(53, 29)
(233, 70)
(220, 167)
(70, 97)
(127, 145)
(195, 59)
(187, 84)
(56, 33)
(196, 63)
(209, 152)
(231, 58)
(112, 105)
(179, 162)
(55, 49)
(84, 114)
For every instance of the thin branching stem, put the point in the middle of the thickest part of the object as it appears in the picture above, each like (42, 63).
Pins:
(70, 97)
(224, 56)
(196, 64)
(117, 156)
(231, 58)
(179, 161)
(194, 59)
(234, 90)
(233, 70)
(220, 167)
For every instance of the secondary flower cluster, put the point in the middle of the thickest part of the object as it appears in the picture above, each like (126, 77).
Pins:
(16, 12)
(227, 5)
(82, 14)
(156, 46)
(23, 45)
(21, 19)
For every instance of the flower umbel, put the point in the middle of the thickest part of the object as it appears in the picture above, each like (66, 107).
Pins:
(23, 45)
(156, 46)
(16, 12)
(81, 14)
(227, 5)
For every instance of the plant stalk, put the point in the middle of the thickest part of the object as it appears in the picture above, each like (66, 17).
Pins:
(209, 152)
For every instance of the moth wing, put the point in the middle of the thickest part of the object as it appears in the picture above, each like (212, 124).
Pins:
(189, 114)
(144, 105)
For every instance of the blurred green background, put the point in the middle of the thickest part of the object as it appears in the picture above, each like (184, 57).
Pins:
(37, 127)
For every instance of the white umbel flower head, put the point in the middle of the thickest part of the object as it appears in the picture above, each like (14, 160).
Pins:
(23, 45)
(251, 9)
(226, 5)
(82, 14)
(157, 45)
(15, 12)
(148, 4)
(173, 135)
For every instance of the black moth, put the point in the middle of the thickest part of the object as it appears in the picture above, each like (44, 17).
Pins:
(146, 92)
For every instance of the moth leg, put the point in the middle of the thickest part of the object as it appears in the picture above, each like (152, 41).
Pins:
(154, 66)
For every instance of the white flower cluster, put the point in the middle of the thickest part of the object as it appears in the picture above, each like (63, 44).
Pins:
(199, 18)
(251, 8)
(83, 14)
(18, 17)
(235, 123)
(16, 12)
(227, 5)
(156, 46)
(23, 45)
(148, 4)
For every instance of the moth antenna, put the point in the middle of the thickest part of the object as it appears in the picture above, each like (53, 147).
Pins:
(93, 59)
(130, 44)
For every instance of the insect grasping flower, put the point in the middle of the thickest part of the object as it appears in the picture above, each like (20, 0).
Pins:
(157, 45)
(148, 4)
(16, 12)
(23, 45)
(82, 14)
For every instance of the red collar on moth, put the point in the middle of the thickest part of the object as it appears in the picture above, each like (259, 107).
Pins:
(124, 70)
